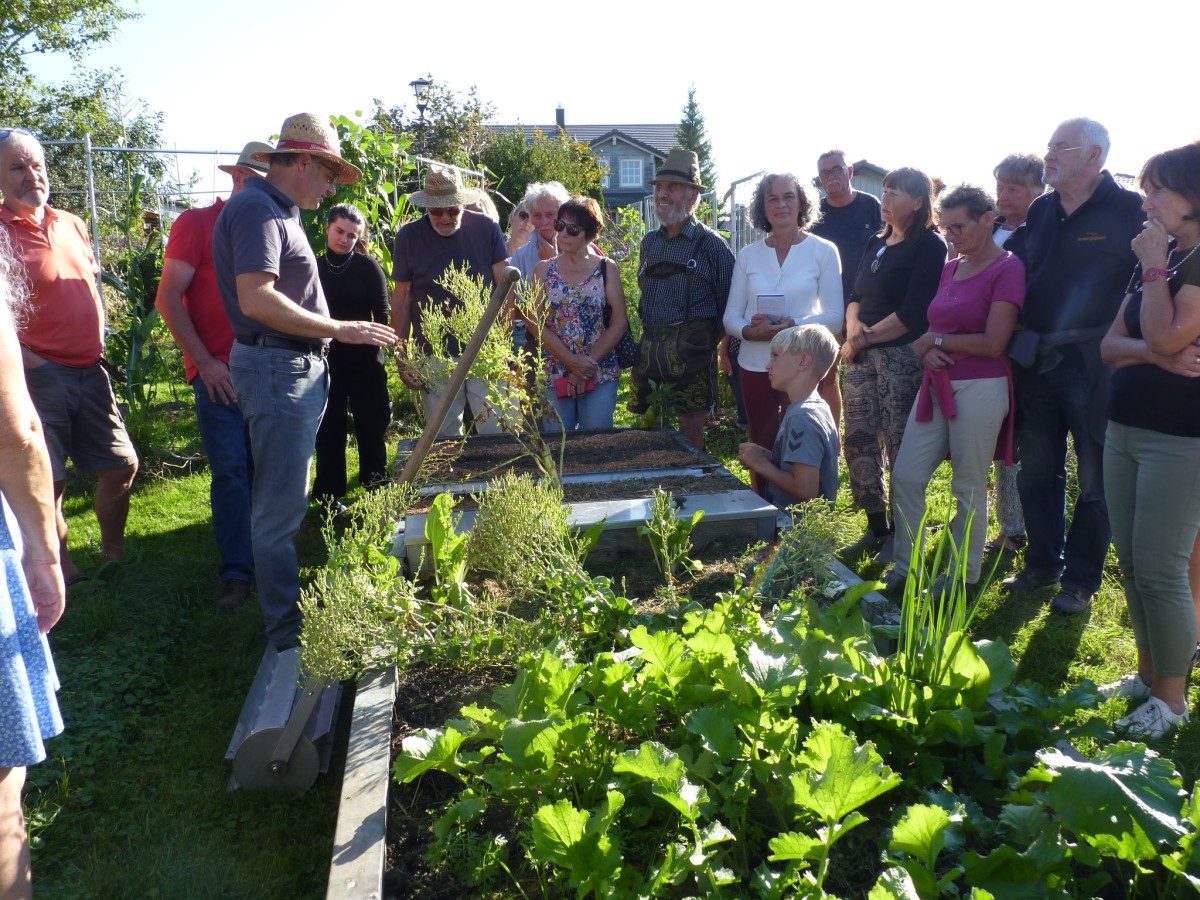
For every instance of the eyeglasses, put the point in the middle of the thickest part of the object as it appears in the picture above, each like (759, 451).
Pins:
(1055, 149)
(6, 132)
(570, 228)
(954, 228)
(523, 215)
(331, 173)
(444, 212)
(878, 260)
(831, 171)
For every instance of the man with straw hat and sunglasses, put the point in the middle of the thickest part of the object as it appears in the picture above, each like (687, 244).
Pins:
(190, 303)
(269, 285)
(685, 272)
(447, 235)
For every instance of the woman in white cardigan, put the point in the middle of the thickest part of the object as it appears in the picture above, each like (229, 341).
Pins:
(789, 278)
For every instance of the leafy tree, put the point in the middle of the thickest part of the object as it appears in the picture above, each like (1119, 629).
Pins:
(455, 129)
(692, 135)
(92, 102)
(29, 27)
(514, 162)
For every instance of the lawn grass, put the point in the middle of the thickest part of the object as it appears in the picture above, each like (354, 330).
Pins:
(133, 802)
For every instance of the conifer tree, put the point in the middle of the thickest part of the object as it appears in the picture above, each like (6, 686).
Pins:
(691, 135)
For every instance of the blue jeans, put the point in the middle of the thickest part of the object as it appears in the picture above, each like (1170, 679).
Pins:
(282, 394)
(1049, 407)
(591, 411)
(226, 443)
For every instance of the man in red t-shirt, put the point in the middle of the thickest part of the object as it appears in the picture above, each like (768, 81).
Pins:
(62, 345)
(190, 303)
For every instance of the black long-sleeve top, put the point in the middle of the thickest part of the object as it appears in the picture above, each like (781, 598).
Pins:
(356, 291)
(903, 282)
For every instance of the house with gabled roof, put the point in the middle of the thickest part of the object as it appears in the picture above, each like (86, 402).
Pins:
(628, 154)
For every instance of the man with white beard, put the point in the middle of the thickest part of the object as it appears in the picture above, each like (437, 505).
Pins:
(684, 277)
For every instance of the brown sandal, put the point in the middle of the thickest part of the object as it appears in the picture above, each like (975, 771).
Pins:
(1006, 544)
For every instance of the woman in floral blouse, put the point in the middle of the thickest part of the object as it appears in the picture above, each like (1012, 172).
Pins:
(580, 349)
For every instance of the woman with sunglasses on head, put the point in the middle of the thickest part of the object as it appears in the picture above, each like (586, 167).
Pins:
(791, 277)
(966, 387)
(897, 277)
(356, 290)
(580, 351)
(1152, 444)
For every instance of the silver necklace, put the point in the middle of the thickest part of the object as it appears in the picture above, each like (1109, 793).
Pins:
(1172, 269)
(338, 270)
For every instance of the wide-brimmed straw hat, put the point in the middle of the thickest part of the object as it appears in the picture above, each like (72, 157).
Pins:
(308, 133)
(443, 188)
(680, 167)
(247, 160)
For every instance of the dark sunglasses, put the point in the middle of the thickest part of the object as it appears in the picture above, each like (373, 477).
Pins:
(572, 230)
(6, 132)
(521, 214)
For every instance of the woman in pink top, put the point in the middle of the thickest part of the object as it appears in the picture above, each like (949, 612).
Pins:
(966, 390)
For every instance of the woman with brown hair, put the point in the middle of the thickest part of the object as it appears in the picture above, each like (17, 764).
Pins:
(791, 277)
(897, 277)
(580, 350)
(1152, 444)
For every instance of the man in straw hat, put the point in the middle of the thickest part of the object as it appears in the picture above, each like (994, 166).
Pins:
(684, 277)
(446, 235)
(190, 303)
(267, 274)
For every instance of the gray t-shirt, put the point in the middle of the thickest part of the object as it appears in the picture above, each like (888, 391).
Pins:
(808, 436)
(421, 255)
(259, 230)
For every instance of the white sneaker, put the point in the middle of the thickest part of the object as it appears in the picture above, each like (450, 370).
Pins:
(1152, 721)
(1131, 687)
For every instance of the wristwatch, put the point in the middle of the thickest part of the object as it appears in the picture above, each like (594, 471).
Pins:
(1149, 275)
(937, 341)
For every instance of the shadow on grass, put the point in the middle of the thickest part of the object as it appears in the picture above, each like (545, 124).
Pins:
(133, 800)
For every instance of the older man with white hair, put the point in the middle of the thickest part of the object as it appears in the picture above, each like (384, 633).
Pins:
(542, 200)
(62, 345)
(684, 275)
(1077, 255)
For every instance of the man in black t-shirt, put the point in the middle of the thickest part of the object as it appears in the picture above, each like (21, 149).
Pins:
(850, 219)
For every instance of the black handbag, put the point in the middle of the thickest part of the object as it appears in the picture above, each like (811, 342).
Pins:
(626, 348)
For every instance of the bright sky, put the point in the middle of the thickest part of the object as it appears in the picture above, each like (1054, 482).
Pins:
(949, 87)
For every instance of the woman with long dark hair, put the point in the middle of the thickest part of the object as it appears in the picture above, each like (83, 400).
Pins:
(356, 290)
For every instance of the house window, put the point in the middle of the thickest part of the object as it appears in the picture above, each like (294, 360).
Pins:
(631, 173)
(604, 178)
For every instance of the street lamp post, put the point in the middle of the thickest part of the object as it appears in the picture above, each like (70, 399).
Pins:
(420, 89)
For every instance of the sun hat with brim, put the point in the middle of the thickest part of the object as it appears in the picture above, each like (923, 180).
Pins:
(443, 188)
(247, 161)
(680, 167)
(307, 133)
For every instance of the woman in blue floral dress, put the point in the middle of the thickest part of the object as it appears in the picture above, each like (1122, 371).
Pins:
(581, 353)
(32, 595)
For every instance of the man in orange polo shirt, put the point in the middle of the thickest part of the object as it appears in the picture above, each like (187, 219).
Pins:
(62, 343)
